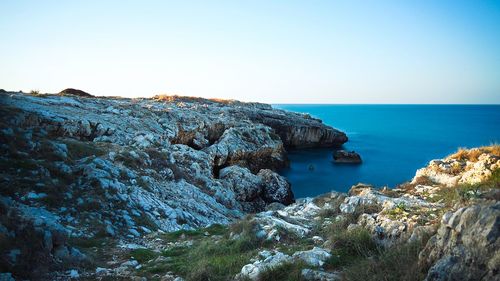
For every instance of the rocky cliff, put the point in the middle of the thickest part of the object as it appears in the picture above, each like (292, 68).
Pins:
(174, 188)
(420, 230)
(78, 166)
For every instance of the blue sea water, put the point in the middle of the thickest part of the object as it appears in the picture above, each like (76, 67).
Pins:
(393, 141)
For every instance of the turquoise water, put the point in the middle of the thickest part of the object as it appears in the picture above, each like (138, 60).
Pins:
(393, 141)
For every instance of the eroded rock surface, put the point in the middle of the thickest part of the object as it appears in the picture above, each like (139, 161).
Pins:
(465, 167)
(123, 168)
(466, 246)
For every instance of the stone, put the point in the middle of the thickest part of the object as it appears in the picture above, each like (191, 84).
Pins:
(130, 263)
(275, 187)
(134, 232)
(73, 273)
(315, 257)
(343, 156)
(317, 275)
(246, 186)
(253, 270)
(465, 246)
(110, 230)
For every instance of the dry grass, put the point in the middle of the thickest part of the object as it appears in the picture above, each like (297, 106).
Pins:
(464, 154)
(177, 98)
(399, 262)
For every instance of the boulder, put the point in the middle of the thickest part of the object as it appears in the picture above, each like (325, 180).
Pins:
(342, 156)
(246, 186)
(465, 246)
(315, 257)
(268, 259)
(275, 187)
(318, 275)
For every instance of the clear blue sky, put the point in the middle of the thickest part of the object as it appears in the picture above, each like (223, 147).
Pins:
(285, 51)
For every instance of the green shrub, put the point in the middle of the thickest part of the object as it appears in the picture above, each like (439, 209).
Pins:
(351, 246)
(210, 260)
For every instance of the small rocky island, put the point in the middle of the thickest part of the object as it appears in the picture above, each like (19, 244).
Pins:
(342, 156)
(182, 188)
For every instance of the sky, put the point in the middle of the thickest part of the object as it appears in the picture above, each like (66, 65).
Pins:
(270, 51)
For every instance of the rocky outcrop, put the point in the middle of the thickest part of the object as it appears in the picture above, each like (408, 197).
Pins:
(342, 156)
(276, 188)
(466, 167)
(466, 246)
(159, 147)
(254, 147)
(124, 168)
(75, 92)
(255, 191)
(122, 174)
(298, 130)
(315, 258)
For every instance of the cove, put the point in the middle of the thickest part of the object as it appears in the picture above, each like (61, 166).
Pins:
(393, 141)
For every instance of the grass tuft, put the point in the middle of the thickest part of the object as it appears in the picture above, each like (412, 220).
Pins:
(143, 255)
(284, 272)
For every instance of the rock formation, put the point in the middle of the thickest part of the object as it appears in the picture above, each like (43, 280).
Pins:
(466, 246)
(342, 156)
(176, 187)
(124, 168)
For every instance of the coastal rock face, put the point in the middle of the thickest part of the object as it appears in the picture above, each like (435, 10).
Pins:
(299, 130)
(466, 246)
(254, 146)
(124, 168)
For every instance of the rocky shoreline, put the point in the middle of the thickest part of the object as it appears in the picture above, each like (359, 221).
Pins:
(161, 188)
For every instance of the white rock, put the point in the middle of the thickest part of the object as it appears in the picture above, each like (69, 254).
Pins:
(315, 257)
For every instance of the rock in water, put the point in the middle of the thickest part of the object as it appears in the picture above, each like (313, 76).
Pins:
(342, 156)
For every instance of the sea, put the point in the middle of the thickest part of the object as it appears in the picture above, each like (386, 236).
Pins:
(393, 141)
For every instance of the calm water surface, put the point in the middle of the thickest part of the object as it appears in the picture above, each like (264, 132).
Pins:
(393, 141)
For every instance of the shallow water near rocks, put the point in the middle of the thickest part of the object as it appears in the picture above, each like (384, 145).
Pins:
(393, 141)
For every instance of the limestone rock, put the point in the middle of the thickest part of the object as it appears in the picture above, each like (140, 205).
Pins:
(465, 246)
(315, 257)
(453, 170)
(268, 260)
(317, 275)
(275, 187)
